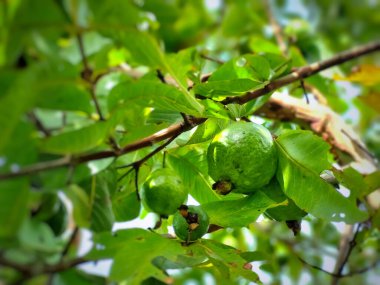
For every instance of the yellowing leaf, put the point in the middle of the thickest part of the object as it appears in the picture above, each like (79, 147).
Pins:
(372, 100)
(365, 74)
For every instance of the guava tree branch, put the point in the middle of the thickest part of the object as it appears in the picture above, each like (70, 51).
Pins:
(305, 71)
(179, 128)
(28, 271)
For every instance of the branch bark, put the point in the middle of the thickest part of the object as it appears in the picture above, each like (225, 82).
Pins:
(300, 73)
(305, 71)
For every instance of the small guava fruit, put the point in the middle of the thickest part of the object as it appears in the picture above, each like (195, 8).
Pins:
(163, 192)
(191, 225)
(241, 158)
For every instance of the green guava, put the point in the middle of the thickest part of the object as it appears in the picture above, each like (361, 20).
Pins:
(182, 226)
(241, 158)
(163, 192)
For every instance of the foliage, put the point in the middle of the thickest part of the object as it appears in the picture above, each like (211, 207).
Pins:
(97, 95)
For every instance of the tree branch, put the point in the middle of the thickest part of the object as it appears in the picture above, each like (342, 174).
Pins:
(348, 243)
(179, 128)
(304, 72)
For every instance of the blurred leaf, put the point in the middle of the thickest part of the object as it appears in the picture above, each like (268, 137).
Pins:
(298, 174)
(75, 276)
(76, 141)
(226, 87)
(38, 236)
(228, 260)
(240, 212)
(133, 251)
(152, 94)
(194, 179)
(258, 45)
(81, 205)
(14, 195)
(66, 97)
(372, 99)
(372, 182)
(103, 186)
(253, 67)
(365, 74)
(15, 99)
(117, 13)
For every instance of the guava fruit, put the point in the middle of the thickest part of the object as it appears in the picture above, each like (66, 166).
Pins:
(241, 158)
(163, 192)
(190, 224)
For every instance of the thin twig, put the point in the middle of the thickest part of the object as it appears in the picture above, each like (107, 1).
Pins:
(87, 75)
(39, 125)
(211, 59)
(137, 164)
(302, 83)
(345, 251)
(277, 31)
(300, 73)
(70, 242)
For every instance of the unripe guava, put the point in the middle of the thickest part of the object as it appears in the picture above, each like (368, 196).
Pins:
(242, 158)
(193, 226)
(163, 192)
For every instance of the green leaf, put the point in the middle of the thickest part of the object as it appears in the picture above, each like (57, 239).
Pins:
(187, 167)
(207, 130)
(75, 276)
(14, 196)
(151, 94)
(38, 236)
(372, 182)
(67, 97)
(16, 98)
(226, 87)
(228, 260)
(76, 141)
(239, 212)
(102, 187)
(254, 67)
(279, 65)
(81, 205)
(144, 49)
(133, 251)
(298, 174)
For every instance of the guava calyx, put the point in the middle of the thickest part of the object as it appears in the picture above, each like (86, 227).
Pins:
(294, 225)
(190, 223)
(223, 187)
